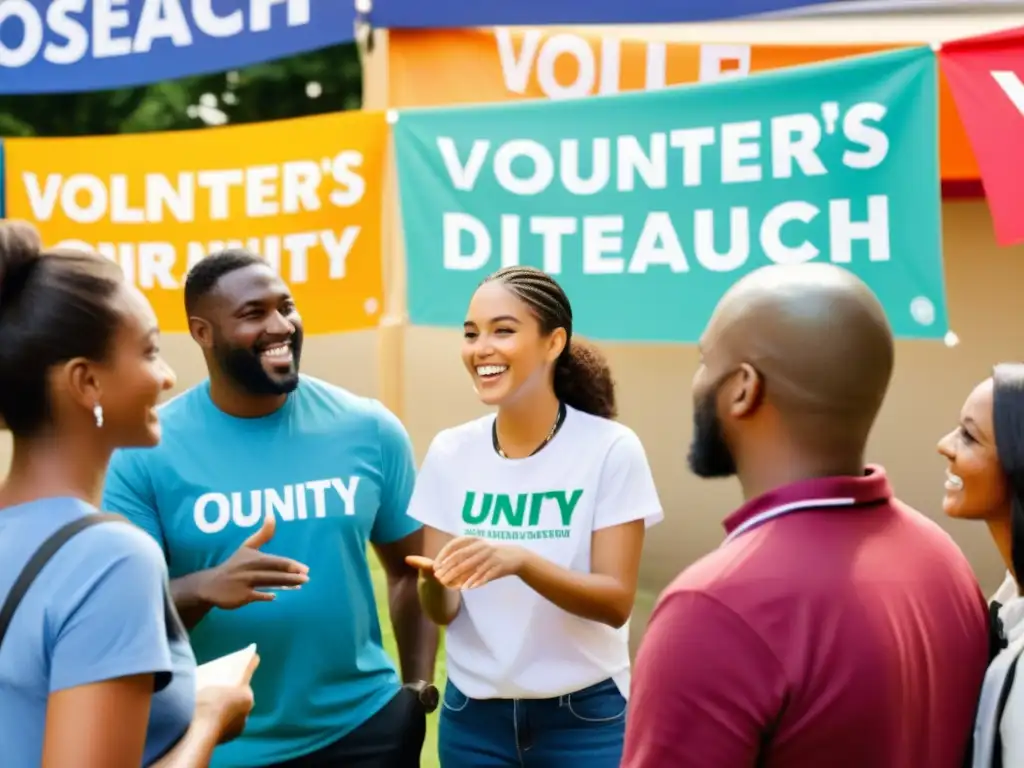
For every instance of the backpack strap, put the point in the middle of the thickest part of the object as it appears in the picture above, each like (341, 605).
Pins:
(1004, 696)
(40, 558)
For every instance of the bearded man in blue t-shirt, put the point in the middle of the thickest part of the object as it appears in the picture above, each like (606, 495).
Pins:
(263, 493)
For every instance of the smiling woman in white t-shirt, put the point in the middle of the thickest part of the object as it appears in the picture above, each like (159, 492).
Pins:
(535, 522)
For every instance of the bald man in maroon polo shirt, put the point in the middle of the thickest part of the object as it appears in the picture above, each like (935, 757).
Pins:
(835, 627)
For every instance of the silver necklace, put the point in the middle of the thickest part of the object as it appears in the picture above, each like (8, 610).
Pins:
(551, 433)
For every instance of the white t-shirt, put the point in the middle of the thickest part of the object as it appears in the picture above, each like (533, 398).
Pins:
(507, 641)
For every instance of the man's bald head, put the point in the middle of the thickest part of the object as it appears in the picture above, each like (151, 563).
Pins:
(811, 342)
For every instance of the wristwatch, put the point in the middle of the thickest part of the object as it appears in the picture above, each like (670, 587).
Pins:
(427, 694)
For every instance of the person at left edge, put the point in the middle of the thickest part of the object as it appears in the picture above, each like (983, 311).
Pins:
(257, 443)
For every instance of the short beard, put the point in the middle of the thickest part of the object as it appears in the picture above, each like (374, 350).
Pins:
(243, 366)
(709, 456)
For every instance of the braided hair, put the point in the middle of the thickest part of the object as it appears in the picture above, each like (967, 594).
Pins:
(583, 378)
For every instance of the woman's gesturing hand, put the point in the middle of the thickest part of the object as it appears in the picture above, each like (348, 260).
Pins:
(467, 562)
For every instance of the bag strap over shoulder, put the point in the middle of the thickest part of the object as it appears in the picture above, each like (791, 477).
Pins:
(1004, 697)
(40, 558)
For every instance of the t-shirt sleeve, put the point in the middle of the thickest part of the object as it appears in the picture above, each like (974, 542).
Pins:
(429, 502)
(399, 471)
(626, 490)
(128, 491)
(108, 620)
(705, 688)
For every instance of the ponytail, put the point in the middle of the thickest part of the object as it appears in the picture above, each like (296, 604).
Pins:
(583, 380)
(55, 306)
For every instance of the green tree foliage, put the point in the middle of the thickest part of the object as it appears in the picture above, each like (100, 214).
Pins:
(269, 91)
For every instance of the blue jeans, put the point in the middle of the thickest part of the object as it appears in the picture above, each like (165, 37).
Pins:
(586, 728)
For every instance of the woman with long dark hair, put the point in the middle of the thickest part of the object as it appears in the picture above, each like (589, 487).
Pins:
(535, 520)
(95, 668)
(985, 481)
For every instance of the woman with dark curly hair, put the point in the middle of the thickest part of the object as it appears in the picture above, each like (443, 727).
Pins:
(535, 521)
(985, 481)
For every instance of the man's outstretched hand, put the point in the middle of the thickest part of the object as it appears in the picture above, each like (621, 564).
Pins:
(248, 575)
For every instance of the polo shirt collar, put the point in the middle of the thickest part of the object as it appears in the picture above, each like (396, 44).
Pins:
(818, 493)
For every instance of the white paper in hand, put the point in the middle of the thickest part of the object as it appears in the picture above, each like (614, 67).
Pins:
(228, 670)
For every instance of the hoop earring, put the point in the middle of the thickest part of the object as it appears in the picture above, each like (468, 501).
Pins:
(97, 411)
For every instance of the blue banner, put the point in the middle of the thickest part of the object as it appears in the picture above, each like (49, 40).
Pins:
(486, 13)
(49, 46)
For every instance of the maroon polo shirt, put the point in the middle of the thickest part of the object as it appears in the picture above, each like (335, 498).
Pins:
(835, 628)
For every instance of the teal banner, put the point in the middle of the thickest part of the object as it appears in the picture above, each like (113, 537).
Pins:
(648, 206)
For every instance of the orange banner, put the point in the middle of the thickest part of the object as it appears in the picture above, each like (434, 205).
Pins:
(305, 194)
(431, 68)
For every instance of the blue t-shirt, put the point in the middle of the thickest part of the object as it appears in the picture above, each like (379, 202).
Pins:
(337, 471)
(99, 610)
